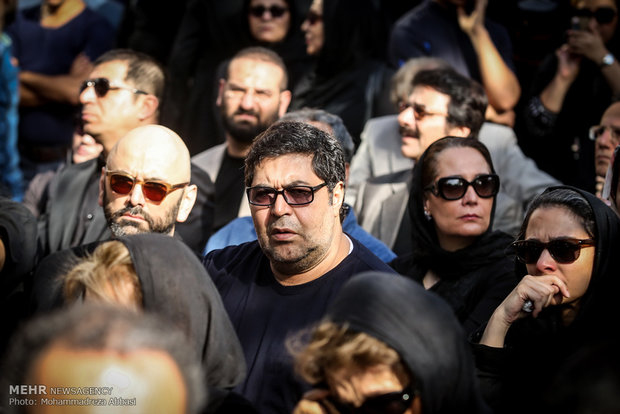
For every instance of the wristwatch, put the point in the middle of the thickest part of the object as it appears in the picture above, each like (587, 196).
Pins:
(608, 59)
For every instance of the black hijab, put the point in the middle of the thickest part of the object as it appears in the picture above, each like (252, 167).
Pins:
(422, 328)
(487, 249)
(176, 286)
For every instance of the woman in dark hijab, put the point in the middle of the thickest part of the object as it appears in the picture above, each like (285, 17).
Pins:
(374, 351)
(348, 39)
(172, 283)
(456, 254)
(563, 305)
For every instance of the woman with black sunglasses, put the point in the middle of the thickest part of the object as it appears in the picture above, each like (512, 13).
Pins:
(455, 253)
(567, 251)
(387, 346)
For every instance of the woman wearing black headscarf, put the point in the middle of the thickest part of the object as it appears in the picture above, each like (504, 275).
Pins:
(456, 254)
(564, 303)
(348, 39)
(161, 275)
(375, 352)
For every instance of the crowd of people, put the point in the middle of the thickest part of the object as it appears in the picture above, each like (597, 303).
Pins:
(309, 206)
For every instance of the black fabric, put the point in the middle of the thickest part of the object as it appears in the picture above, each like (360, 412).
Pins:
(473, 280)
(389, 308)
(516, 377)
(229, 190)
(264, 313)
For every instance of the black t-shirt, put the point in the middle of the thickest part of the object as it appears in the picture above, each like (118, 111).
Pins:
(229, 189)
(264, 313)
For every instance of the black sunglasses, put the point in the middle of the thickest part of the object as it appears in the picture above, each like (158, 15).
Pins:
(296, 195)
(454, 188)
(153, 190)
(603, 15)
(390, 403)
(313, 17)
(563, 250)
(102, 87)
(274, 11)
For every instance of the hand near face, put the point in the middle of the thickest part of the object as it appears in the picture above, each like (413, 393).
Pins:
(568, 64)
(310, 404)
(586, 43)
(543, 291)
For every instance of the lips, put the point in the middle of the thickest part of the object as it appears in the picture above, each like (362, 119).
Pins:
(469, 217)
(133, 217)
(282, 233)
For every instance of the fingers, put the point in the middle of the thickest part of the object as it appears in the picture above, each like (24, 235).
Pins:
(542, 291)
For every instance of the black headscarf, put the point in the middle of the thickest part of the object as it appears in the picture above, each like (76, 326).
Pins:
(422, 328)
(176, 286)
(488, 248)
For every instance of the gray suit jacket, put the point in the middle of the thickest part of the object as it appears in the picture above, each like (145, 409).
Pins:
(210, 161)
(377, 201)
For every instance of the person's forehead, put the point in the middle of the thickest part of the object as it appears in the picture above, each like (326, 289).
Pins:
(145, 164)
(285, 170)
(268, 3)
(114, 71)
(255, 72)
(425, 95)
(612, 114)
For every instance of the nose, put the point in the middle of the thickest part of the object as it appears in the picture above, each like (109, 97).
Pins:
(545, 263)
(280, 207)
(406, 118)
(604, 140)
(87, 95)
(247, 101)
(136, 198)
(470, 196)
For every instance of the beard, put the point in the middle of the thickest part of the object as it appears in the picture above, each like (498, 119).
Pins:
(407, 132)
(120, 226)
(243, 131)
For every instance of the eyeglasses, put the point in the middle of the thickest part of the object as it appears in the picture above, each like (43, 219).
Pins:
(156, 191)
(419, 113)
(563, 250)
(274, 11)
(454, 187)
(596, 131)
(102, 87)
(296, 195)
(602, 15)
(313, 17)
(390, 403)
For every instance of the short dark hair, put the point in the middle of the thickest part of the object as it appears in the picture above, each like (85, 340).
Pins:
(468, 100)
(264, 55)
(334, 121)
(100, 327)
(429, 167)
(144, 72)
(290, 137)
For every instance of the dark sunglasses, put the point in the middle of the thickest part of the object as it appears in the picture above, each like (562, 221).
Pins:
(313, 17)
(296, 195)
(563, 250)
(156, 191)
(454, 188)
(274, 11)
(390, 403)
(102, 87)
(603, 15)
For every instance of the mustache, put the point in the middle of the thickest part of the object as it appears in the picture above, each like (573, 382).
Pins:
(407, 132)
(241, 111)
(134, 211)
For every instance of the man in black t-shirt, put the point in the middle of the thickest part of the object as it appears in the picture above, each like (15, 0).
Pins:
(251, 98)
(283, 282)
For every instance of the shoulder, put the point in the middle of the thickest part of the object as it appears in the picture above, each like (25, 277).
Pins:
(362, 259)
(235, 261)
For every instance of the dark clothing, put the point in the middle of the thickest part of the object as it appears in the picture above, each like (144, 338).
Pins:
(73, 215)
(432, 30)
(51, 51)
(483, 276)
(229, 185)
(559, 142)
(264, 313)
(474, 280)
(516, 378)
(433, 347)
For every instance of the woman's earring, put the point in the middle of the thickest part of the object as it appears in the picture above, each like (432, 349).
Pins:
(427, 214)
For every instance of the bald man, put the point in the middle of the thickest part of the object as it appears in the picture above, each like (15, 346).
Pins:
(144, 186)
(606, 137)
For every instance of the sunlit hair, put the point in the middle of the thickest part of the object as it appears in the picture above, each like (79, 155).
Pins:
(401, 82)
(332, 347)
(105, 276)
